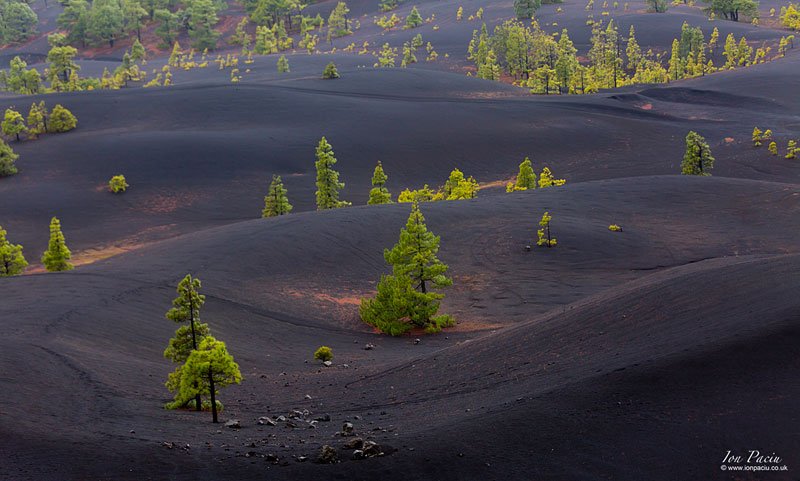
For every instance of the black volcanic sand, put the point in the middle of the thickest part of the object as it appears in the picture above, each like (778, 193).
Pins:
(640, 355)
(666, 367)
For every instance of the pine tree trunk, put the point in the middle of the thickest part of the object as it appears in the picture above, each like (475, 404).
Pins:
(213, 395)
(198, 404)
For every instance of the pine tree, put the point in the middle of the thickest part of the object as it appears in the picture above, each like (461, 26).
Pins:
(773, 148)
(379, 194)
(414, 19)
(675, 64)
(337, 22)
(283, 64)
(330, 71)
(546, 179)
(633, 51)
(543, 234)
(328, 184)
(276, 202)
(208, 368)
(489, 69)
(524, 9)
(697, 160)
(138, 53)
(714, 40)
(185, 309)
(13, 124)
(37, 123)
(12, 262)
(62, 120)
(757, 137)
(767, 135)
(408, 55)
(567, 63)
(403, 300)
(57, 256)
(731, 52)
(526, 178)
(7, 159)
(386, 56)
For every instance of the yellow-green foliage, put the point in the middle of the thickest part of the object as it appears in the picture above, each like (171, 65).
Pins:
(773, 148)
(324, 353)
(757, 137)
(61, 120)
(615, 228)
(387, 23)
(791, 149)
(790, 16)
(544, 237)
(117, 184)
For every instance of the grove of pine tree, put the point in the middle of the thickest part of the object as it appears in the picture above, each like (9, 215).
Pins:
(405, 299)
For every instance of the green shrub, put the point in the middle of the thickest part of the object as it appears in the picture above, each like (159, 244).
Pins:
(117, 184)
(330, 71)
(615, 228)
(324, 353)
(61, 120)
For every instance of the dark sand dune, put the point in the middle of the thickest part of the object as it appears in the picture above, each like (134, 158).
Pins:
(573, 389)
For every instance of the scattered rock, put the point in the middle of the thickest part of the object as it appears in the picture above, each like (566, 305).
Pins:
(264, 421)
(355, 443)
(417, 341)
(327, 364)
(324, 418)
(328, 455)
(301, 459)
(271, 458)
(233, 424)
(308, 396)
(369, 347)
(358, 454)
(281, 419)
(372, 449)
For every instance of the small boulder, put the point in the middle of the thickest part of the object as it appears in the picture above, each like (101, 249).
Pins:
(372, 449)
(328, 455)
(324, 418)
(369, 347)
(327, 364)
(264, 421)
(347, 429)
(233, 424)
(355, 443)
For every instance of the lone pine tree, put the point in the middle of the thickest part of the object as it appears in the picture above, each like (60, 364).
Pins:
(12, 262)
(757, 137)
(379, 194)
(697, 160)
(283, 64)
(546, 179)
(330, 71)
(544, 237)
(57, 256)
(186, 309)
(276, 202)
(526, 178)
(328, 184)
(404, 299)
(208, 369)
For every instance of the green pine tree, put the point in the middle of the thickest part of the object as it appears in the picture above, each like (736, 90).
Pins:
(414, 19)
(404, 299)
(185, 309)
(283, 64)
(207, 369)
(697, 160)
(57, 256)
(544, 236)
(12, 262)
(546, 179)
(379, 194)
(7, 159)
(526, 178)
(328, 184)
(276, 202)
(13, 124)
